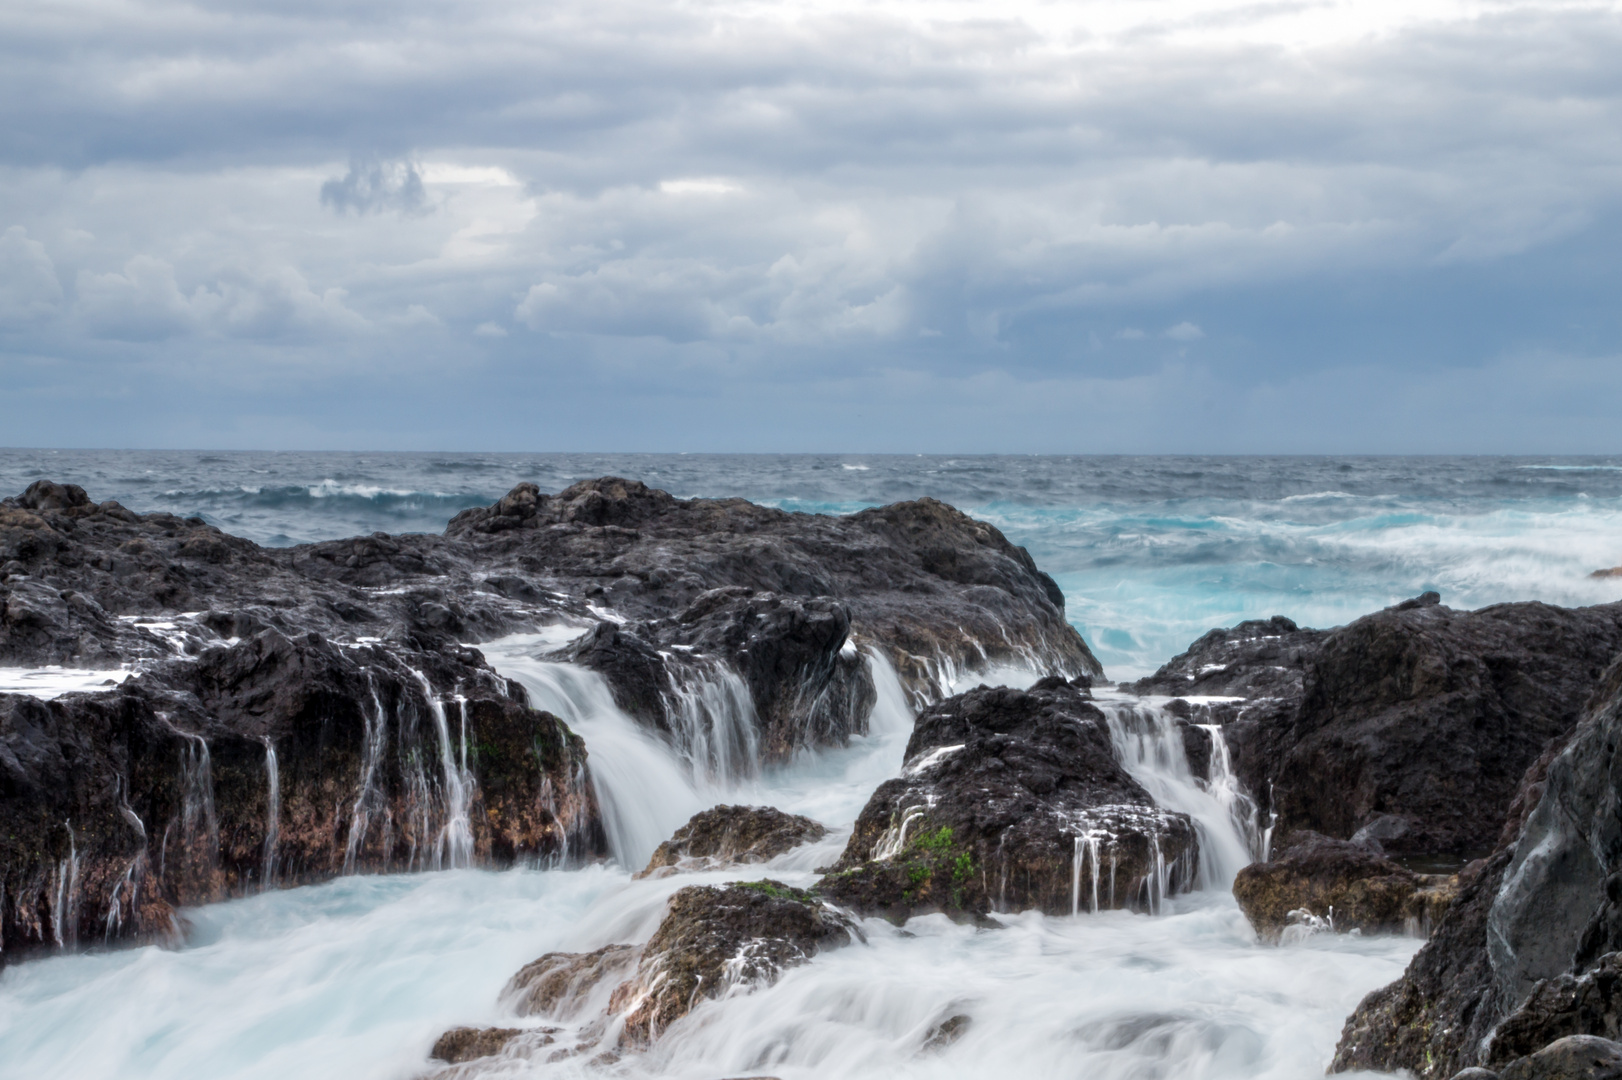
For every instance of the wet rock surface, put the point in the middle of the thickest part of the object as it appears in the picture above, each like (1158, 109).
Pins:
(715, 940)
(674, 587)
(1003, 792)
(1416, 722)
(561, 985)
(467, 1044)
(1576, 1057)
(729, 835)
(396, 747)
(712, 941)
(1590, 1004)
(1527, 948)
(1344, 884)
(269, 763)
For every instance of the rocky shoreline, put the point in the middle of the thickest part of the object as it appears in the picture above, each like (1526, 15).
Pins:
(297, 714)
(300, 713)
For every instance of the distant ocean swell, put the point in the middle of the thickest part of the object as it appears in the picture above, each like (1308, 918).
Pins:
(1150, 552)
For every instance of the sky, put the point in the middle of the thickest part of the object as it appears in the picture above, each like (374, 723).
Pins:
(829, 225)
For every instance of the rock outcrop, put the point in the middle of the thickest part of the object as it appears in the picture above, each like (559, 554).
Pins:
(1410, 726)
(715, 940)
(468, 1044)
(1529, 949)
(265, 763)
(562, 985)
(1003, 794)
(683, 595)
(732, 835)
(1317, 880)
(303, 712)
(1575, 1057)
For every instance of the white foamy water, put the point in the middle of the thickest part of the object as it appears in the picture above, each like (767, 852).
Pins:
(356, 978)
(53, 682)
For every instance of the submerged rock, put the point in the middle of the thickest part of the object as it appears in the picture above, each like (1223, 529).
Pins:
(714, 941)
(562, 985)
(1343, 886)
(1013, 800)
(466, 1044)
(727, 835)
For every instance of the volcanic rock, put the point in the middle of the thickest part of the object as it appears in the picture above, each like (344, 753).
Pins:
(684, 594)
(1544, 907)
(714, 940)
(339, 669)
(1343, 883)
(727, 835)
(1003, 793)
(1575, 1057)
(116, 807)
(560, 985)
(1421, 715)
(466, 1044)
(1564, 1005)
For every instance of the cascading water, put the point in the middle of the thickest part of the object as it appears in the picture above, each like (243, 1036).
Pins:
(644, 791)
(1150, 747)
(273, 814)
(328, 980)
(713, 719)
(453, 847)
(370, 802)
(65, 909)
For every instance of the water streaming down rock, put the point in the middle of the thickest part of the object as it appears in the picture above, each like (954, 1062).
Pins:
(64, 921)
(713, 723)
(644, 791)
(883, 999)
(453, 844)
(1089, 843)
(1150, 745)
(370, 801)
(199, 839)
(273, 813)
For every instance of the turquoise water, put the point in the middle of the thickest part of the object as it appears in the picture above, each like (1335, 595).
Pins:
(1151, 551)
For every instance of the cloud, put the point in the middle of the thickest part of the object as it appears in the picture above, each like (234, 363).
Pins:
(372, 186)
(29, 289)
(144, 302)
(799, 194)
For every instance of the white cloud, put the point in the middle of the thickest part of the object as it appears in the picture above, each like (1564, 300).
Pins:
(698, 186)
(29, 289)
(145, 302)
(1185, 331)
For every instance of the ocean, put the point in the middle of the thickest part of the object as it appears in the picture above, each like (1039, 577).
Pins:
(355, 978)
(1150, 551)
